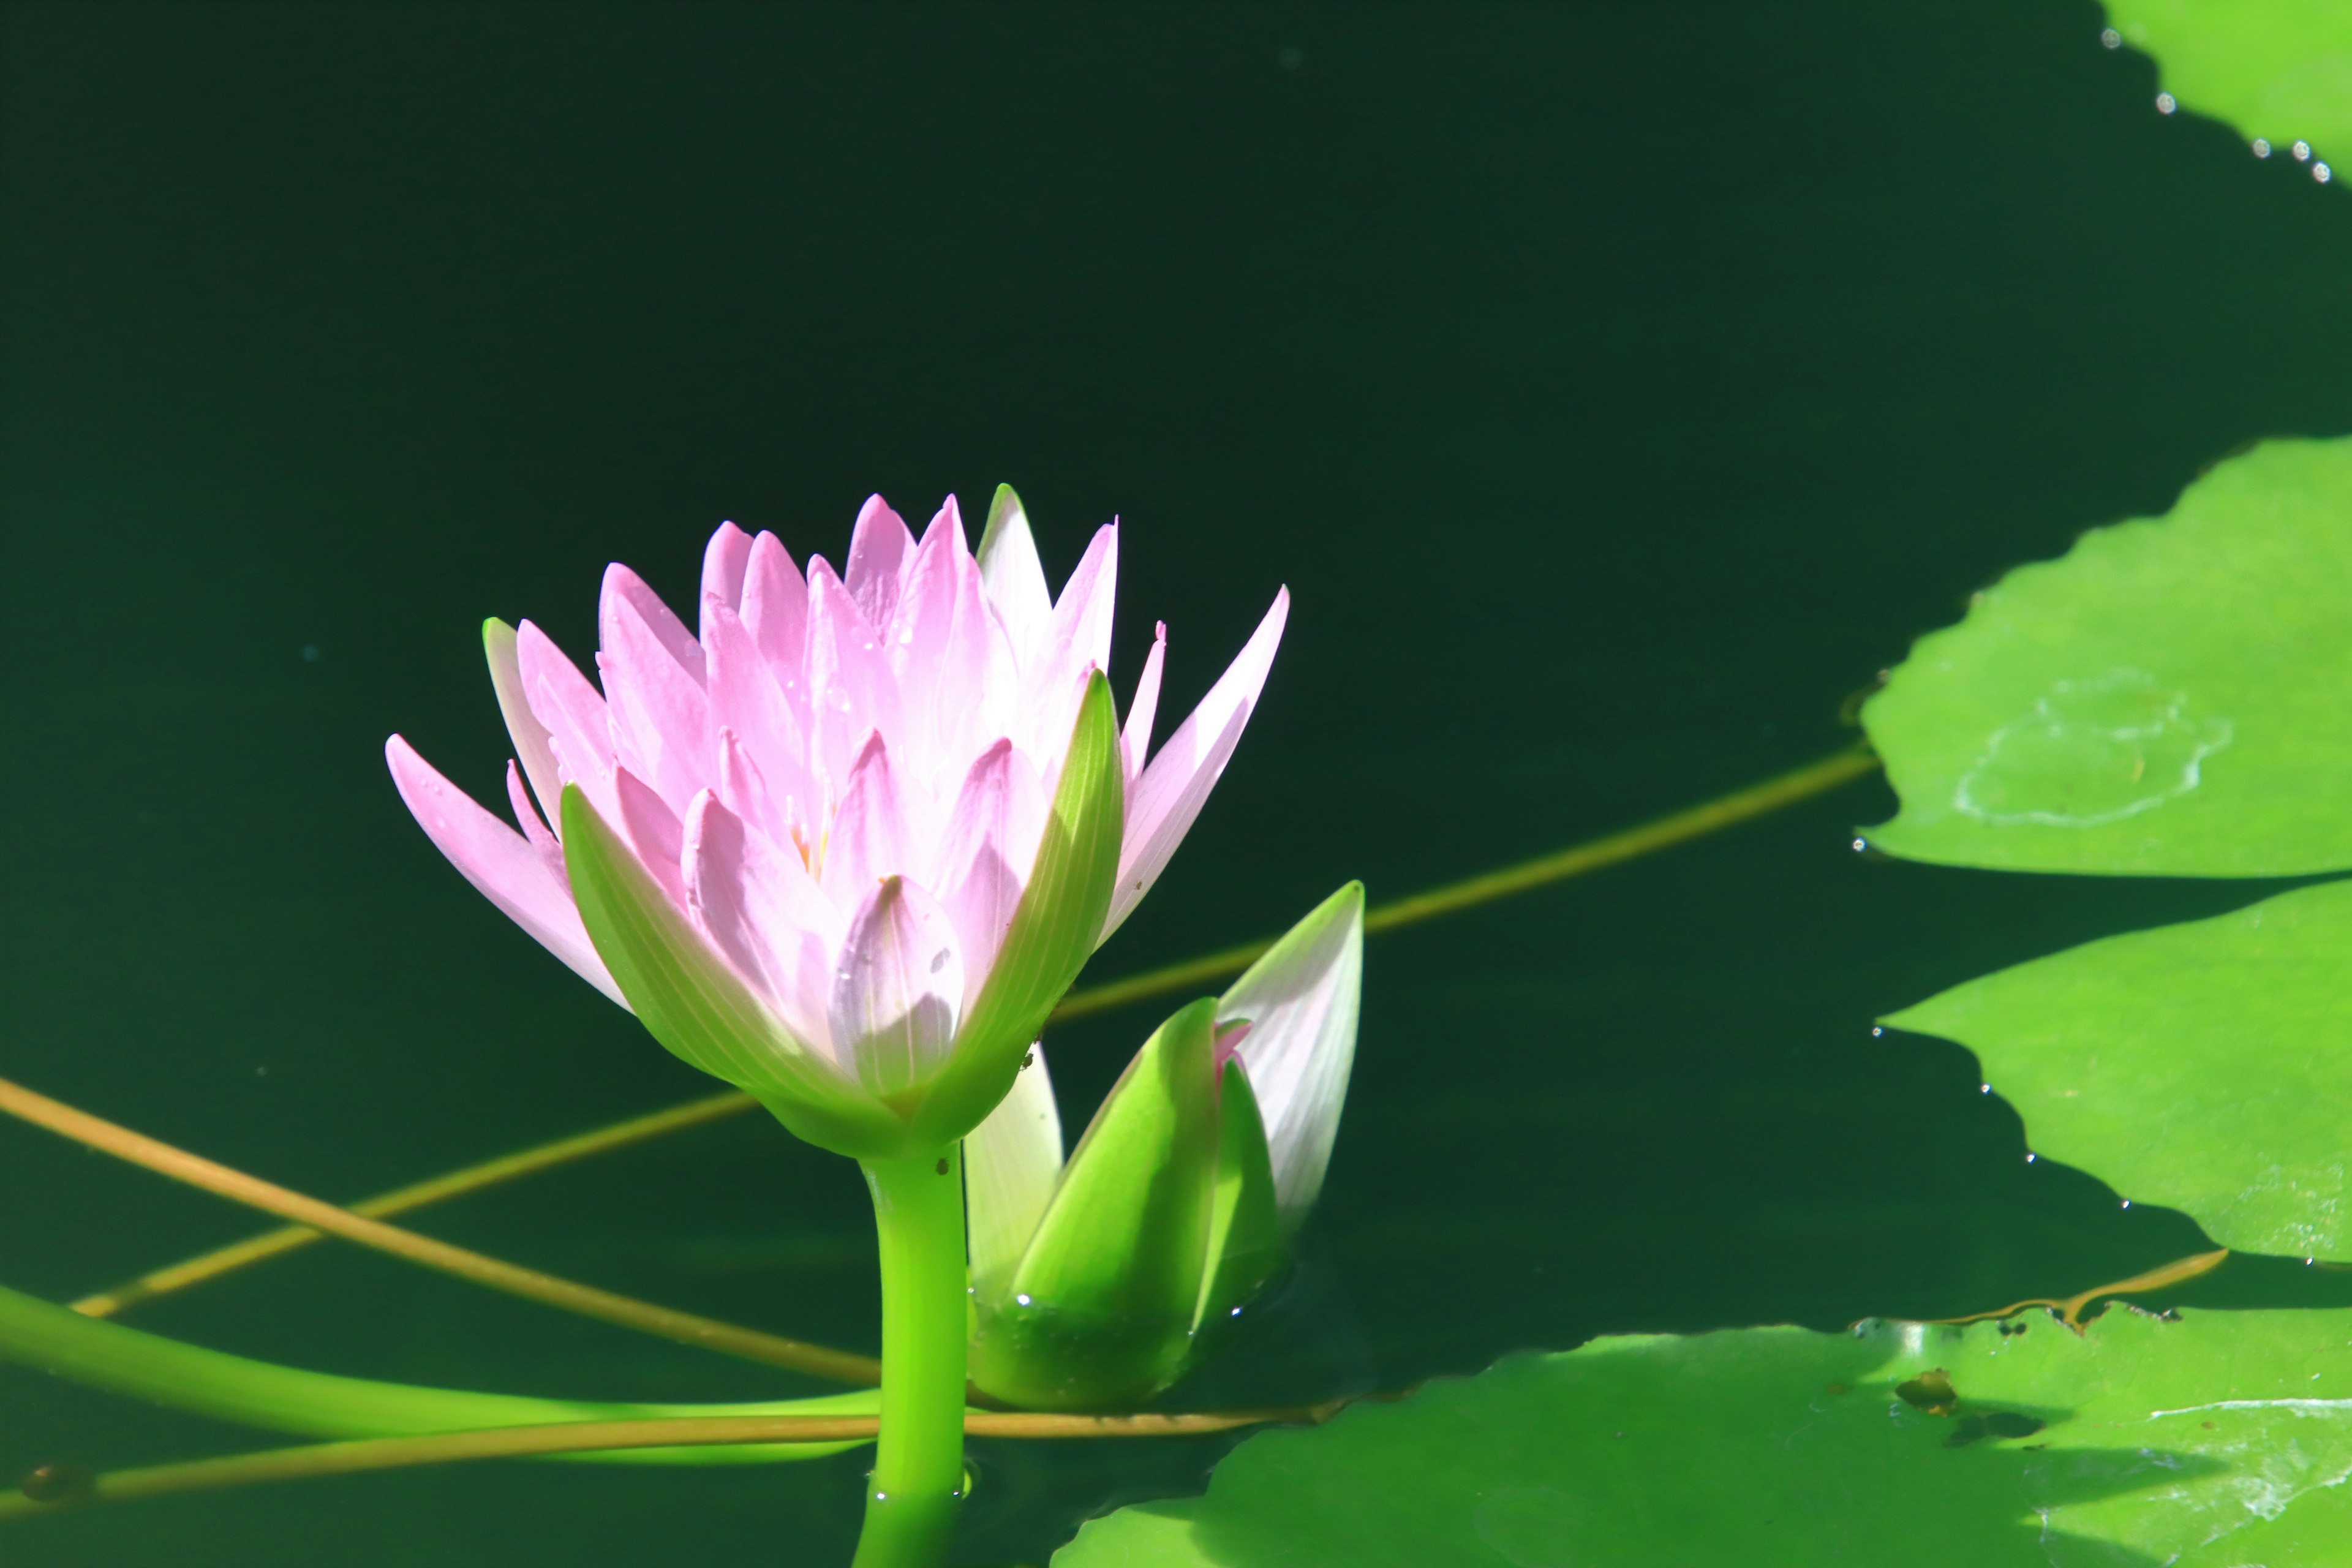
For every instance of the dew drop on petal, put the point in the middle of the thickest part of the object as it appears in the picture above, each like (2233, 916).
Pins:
(2302, 150)
(2165, 103)
(2321, 173)
(2262, 148)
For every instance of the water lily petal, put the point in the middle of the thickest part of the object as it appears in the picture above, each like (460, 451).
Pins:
(775, 608)
(1076, 638)
(1299, 1001)
(758, 906)
(746, 698)
(725, 560)
(693, 1002)
(1013, 576)
(898, 989)
(992, 832)
(868, 839)
(534, 832)
(879, 550)
(661, 714)
(580, 735)
(1135, 740)
(624, 588)
(851, 691)
(1010, 1162)
(653, 832)
(1053, 931)
(523, 726)
(502, 866)
(1177, 781)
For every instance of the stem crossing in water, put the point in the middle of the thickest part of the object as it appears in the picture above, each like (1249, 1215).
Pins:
(918, 1480)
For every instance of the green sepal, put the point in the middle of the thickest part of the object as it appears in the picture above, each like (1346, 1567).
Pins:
(693, 1003)
(1246, 1229)
(1101, 1307)
(1052, 933)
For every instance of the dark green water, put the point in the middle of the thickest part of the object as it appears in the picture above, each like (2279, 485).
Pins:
(1618, 388)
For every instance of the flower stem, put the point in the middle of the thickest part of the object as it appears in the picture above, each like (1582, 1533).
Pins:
(917, 1479)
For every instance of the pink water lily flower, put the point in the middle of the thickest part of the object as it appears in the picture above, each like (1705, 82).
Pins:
(847, 845)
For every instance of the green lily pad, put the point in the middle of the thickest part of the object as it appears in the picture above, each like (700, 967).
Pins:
(2166, 700)
(2210, 1442)
(2280, 69)
(2206, 1065)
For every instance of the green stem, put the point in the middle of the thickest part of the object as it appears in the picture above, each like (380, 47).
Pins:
(918, 1480)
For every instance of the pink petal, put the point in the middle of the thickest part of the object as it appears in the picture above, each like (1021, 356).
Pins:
(756, 906)
(775, 608)
(1163, 804)
(661, 715)
(502, 866)
(523, 726)
(653, 832)
(851, 691)
(1015, 578)
(933, 693)
(898, 990)
(1076, 639)
(879, 547)
(745, 698)
(535, 832)
(622, 586)
(579, 732)
(724, 561)
(1134, 741)
(991, 844)
(867, 840)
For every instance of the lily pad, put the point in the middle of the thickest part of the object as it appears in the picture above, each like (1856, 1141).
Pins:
(2206, 1065)
(2166, 700)
(2220, 1439)
(2279, 69)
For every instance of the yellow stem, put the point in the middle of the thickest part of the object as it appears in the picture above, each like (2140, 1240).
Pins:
(421, 1195)
(316, 1460)
(686, 1327)
(2070, 1308)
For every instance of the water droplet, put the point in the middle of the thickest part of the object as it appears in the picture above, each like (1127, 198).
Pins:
(1984, 1088)
(1021, 1298)
(2165, 103)
(2111, 38)
(2321, 173)
(2302, 150)
(2262, 147)
(839, 698)
(1235, 1313)
(1875, 1031)
(2029, 1159)
(2127, 1202)
(1860, 845)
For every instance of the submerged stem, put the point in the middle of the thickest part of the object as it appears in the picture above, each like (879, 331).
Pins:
(917, 1479)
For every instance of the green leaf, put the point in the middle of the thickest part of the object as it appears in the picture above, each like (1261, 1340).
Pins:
(1101, 1306)
(692, 1002)
(1247, 1236)
(2207, 1066)
(2279, 69)
(276, 1398)
(2217, 1441)
(2168, 700)
(1053, 932)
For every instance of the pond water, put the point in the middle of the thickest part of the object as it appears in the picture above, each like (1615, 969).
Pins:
(1618, 388)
